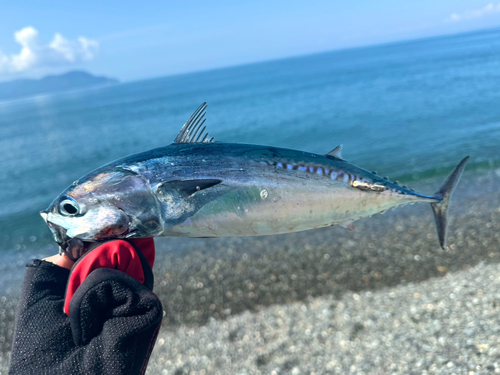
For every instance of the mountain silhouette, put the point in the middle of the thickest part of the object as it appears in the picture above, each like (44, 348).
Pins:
(53, 83)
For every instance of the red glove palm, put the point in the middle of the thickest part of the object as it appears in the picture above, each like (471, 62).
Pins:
(135, 257)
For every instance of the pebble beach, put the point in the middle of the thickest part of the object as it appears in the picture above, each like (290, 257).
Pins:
(383, 299)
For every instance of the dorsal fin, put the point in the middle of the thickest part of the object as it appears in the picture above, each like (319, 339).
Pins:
(336, 152)
(192, 131)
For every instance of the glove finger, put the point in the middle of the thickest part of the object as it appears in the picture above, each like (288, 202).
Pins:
(113, 303)
(115, 313)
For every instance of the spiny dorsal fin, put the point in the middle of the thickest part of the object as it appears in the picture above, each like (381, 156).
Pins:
(336, 152)
(192, 130)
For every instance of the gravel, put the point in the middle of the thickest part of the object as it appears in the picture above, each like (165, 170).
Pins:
(446, 325)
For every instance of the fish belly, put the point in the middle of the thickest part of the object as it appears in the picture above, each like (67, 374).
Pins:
(284, 207)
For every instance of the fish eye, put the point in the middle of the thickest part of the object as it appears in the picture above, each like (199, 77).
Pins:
(68, 207)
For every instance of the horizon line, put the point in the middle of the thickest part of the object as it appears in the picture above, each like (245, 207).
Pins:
(341, 49)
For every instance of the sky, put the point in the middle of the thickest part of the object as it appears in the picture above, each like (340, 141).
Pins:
(146, 39)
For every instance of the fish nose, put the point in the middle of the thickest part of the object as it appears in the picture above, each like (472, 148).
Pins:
(44, 215)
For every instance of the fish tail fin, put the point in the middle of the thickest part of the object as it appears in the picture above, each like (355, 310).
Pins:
(443, 195)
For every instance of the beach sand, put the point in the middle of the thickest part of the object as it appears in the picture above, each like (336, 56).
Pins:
(382, 299)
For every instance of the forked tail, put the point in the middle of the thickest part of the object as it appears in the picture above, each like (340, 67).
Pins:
(444, 194)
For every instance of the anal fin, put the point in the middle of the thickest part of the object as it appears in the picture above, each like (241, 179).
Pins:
(348, 225)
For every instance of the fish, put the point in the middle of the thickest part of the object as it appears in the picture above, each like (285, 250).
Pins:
(197, 187)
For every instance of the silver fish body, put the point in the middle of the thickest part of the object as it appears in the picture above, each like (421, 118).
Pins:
(195, 188)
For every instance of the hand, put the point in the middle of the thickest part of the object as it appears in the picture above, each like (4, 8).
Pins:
(112, 318)
(60, 260)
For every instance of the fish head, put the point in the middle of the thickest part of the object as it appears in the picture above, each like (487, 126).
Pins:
(104, 205)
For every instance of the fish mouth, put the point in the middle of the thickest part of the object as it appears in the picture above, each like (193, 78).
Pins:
(73, 248)
(59, 234)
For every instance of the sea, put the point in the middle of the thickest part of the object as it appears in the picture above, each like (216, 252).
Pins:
(409, 110)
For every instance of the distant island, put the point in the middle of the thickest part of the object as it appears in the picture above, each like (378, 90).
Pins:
(50, 84)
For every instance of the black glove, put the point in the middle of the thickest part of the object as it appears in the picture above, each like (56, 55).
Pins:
(111, 328)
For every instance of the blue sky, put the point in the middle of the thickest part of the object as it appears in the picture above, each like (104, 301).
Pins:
(145, 39)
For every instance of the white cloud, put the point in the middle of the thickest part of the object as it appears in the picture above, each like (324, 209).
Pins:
(35, 55)
(476, 13)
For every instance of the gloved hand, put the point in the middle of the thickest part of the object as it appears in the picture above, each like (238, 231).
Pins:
(112, 317)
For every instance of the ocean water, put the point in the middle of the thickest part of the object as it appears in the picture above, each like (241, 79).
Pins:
(408, 110)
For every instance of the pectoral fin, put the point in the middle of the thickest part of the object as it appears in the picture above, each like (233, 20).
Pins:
(187, 188)
(181, 199)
